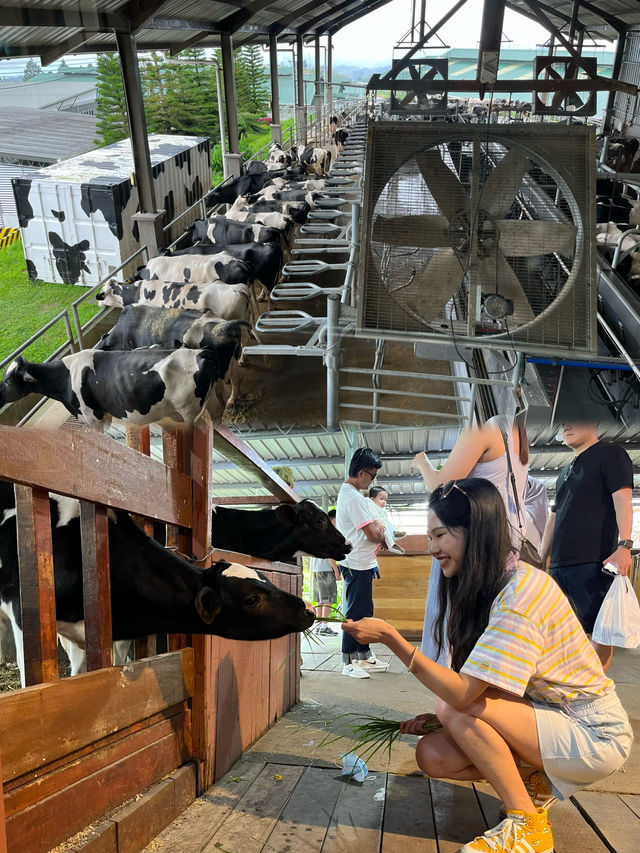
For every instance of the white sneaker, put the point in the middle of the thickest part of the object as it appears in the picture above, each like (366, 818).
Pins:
(372, 664)
(354, 671)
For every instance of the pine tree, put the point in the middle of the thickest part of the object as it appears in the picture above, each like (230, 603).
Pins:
(152, 77)
(111, 109)
(257, 79)
(32, 69)
(63, 66)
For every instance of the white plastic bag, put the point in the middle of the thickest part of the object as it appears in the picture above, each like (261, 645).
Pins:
(618, 620)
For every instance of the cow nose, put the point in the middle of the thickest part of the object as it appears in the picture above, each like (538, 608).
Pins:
(309, 608)
(99, 296)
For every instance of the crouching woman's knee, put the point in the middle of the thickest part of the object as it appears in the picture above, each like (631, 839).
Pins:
(430, 758)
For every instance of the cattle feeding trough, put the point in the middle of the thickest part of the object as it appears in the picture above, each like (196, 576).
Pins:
(75, 749)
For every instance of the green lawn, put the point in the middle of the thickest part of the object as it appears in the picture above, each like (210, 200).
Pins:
(26, 306)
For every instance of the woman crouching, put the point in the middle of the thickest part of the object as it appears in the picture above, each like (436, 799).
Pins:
(526, 704)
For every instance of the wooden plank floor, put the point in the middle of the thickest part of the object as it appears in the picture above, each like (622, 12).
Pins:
(263, 807)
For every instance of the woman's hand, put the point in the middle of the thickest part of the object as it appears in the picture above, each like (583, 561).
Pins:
(417, 725)
(419, 460)
(368, 630)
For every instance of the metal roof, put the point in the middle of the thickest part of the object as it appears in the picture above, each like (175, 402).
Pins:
(42, 94)
(606, 17)
(44, 135)
(50, 28)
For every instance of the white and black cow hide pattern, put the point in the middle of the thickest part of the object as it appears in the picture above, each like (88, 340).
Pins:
(220, 266)
(228, 301)
(142, 386)
(153, 591)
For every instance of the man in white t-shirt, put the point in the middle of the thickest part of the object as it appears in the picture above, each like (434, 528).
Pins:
(356, 521)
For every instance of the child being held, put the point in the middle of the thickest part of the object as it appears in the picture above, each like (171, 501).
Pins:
(379, 496)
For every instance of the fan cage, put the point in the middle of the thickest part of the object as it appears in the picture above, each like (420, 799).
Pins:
(557, 186)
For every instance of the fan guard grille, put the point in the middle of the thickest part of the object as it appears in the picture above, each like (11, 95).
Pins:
(447, 218)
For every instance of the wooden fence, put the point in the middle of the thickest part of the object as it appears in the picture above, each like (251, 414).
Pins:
(73, 750)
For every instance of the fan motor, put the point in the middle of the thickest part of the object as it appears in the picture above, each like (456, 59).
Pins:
(497, 307)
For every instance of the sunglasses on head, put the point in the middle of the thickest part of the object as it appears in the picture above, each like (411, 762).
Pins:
(443, 491)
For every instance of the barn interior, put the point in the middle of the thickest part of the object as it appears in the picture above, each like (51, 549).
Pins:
(350, 354)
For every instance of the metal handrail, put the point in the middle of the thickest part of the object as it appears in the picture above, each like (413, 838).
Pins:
(70, 342)
(92, 290)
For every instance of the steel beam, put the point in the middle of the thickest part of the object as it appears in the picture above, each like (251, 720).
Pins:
(404, 62)
(137, 121)
(595, 84)
(230, 93)
(275, 90)
(86, 19)
(490, 38)
(329, 74)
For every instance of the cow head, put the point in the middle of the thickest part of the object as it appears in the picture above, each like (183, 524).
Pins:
(17, 382)
(315, 534)
(117, 294)
(239, 603)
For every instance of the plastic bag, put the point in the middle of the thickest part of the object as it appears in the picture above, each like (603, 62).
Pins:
(618, 620)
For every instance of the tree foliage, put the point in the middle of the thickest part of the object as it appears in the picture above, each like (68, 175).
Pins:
(111, 106)
(32, 69)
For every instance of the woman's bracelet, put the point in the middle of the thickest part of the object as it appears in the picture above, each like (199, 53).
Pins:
(413, 657)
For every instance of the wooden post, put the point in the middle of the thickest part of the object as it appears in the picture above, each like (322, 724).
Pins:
(205, 648)
(3, 833)
(37, 590)
(94, 532)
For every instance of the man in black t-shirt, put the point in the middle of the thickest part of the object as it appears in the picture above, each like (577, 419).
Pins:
(590, 523)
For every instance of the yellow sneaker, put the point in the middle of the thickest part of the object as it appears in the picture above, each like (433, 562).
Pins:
(520, 832)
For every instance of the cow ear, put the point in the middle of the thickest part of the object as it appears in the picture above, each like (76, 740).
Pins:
(286, 514)
(208, 605)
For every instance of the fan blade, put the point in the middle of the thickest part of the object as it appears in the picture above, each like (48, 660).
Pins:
(437, 283)
(557, 100)
(523, 238)
(449, 194)
(503, 183)
(420, 230)
(431, 74)
(498, 277)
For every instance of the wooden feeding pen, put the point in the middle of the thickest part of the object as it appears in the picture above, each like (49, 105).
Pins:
(76, 749)
(400, 595)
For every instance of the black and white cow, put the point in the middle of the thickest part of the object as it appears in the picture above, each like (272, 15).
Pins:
(220, 231)
(284, 224)
(298, 211)
(152, 590)
(283, 533)
(278, 158)
(284, 194)
(142, 386)
(248, 184)
(228, 301)
(265, 259)
(166, 328)
(316, 161)
(339, 137)
(219, 266)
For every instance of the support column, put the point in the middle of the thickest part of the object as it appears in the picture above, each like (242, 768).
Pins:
(329, 74)
(301, 109)
(276, 126)
(233, 158)
(150, 219)
(490, 38)
(608, 119)
(317, 97)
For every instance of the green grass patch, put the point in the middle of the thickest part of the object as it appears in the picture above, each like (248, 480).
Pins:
(26, 306)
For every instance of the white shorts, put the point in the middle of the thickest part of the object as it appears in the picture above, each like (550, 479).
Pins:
(582, 742)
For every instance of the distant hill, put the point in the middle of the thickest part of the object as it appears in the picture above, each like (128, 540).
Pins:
(359, 73)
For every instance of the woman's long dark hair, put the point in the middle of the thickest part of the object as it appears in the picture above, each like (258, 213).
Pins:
(464, 601)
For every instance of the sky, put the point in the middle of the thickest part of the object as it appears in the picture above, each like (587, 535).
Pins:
(370, 40)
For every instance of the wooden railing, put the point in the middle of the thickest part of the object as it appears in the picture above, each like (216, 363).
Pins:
(73, 749)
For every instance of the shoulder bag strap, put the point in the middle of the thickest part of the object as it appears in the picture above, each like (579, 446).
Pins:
(512, 480)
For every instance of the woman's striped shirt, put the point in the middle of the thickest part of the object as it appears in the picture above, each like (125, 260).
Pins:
(534, 644)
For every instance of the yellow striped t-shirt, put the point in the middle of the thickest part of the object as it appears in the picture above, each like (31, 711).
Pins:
(534, 644)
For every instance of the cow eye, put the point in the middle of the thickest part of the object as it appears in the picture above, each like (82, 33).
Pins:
(252, 601)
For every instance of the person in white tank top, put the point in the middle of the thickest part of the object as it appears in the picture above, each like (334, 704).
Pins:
(478, 452)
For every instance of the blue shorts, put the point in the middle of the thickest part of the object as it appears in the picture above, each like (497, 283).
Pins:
(585, 585)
